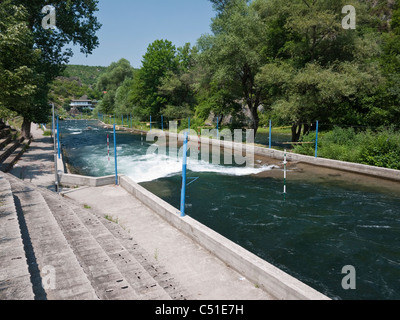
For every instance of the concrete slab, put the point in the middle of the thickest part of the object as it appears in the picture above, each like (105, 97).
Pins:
(203, 275)
(37, 163)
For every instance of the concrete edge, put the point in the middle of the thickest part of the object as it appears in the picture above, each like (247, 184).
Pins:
(377, 172)
(82, 181)
(271, 279)
(251, 149)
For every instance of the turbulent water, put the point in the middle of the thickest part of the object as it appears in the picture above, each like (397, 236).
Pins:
(324, 225)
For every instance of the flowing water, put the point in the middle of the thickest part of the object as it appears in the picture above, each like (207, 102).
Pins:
(329, 220)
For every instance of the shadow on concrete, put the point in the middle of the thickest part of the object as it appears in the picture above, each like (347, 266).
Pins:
(36, 279)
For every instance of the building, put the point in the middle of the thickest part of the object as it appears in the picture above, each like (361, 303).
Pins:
(83, 104)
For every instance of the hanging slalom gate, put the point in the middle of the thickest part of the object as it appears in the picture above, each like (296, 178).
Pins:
(108, 147)
(284, 175)
(184, 169)
(199, 136)
(116, 157)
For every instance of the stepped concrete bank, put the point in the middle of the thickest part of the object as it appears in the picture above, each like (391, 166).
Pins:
(272, 280)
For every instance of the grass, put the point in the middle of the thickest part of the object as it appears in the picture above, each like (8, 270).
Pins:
(87, 207)
(111, 219)
(156, 254)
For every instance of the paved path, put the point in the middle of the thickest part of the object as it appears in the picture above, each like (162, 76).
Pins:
(201, 274)
(37, 163)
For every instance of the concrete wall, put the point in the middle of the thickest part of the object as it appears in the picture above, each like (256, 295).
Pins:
(270, 278)
(76, 180)
(373, 171)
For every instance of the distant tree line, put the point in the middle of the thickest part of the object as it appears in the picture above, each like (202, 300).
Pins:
(291, 61)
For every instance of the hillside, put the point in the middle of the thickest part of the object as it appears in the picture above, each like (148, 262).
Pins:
(88, 75)
(76, 81)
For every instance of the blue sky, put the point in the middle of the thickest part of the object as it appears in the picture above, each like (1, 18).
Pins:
(129, 26)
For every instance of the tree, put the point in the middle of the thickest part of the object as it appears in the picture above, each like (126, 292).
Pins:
(123, 105)
(115, 75)
(159, 59)
(390, 65)
(235, 54)
(178, 86)
(17, 58)
(321, 69)
(76, 24)
(114, 83)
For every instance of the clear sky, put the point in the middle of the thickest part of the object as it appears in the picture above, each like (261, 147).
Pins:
(129, 26)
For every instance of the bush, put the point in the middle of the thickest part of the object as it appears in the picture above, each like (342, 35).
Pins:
(381, 148)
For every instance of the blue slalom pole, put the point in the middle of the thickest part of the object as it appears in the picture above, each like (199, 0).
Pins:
(184, 169)
(58, 139)
(162, 123)
(270, 134)
(316, 142)
(150, 124)
(116, 159)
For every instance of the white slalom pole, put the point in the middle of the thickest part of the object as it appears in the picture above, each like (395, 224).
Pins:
(285, 175)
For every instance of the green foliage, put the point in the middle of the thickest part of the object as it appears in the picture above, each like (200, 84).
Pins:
(18, 82)
(233, 57)
(159, 60)
(380, 148)
(87, 75)
(41, 54)
(115, 85)
(115, 75)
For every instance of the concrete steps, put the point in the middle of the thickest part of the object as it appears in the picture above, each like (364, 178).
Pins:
(11, 148)
(137, 278)
(156, 272)
(5, 141)
(103, 274)
(12, 158)
(15, 282)
(90, 257)
(47, 249)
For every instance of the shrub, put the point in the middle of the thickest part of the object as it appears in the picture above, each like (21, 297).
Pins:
(381, 148)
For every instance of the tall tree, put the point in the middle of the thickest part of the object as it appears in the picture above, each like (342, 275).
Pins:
(178, 86)
(325, 64)
(235, 53)
(76, 23)
(390, 65)
(17, 58)
(159, 59)
(118, 74)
